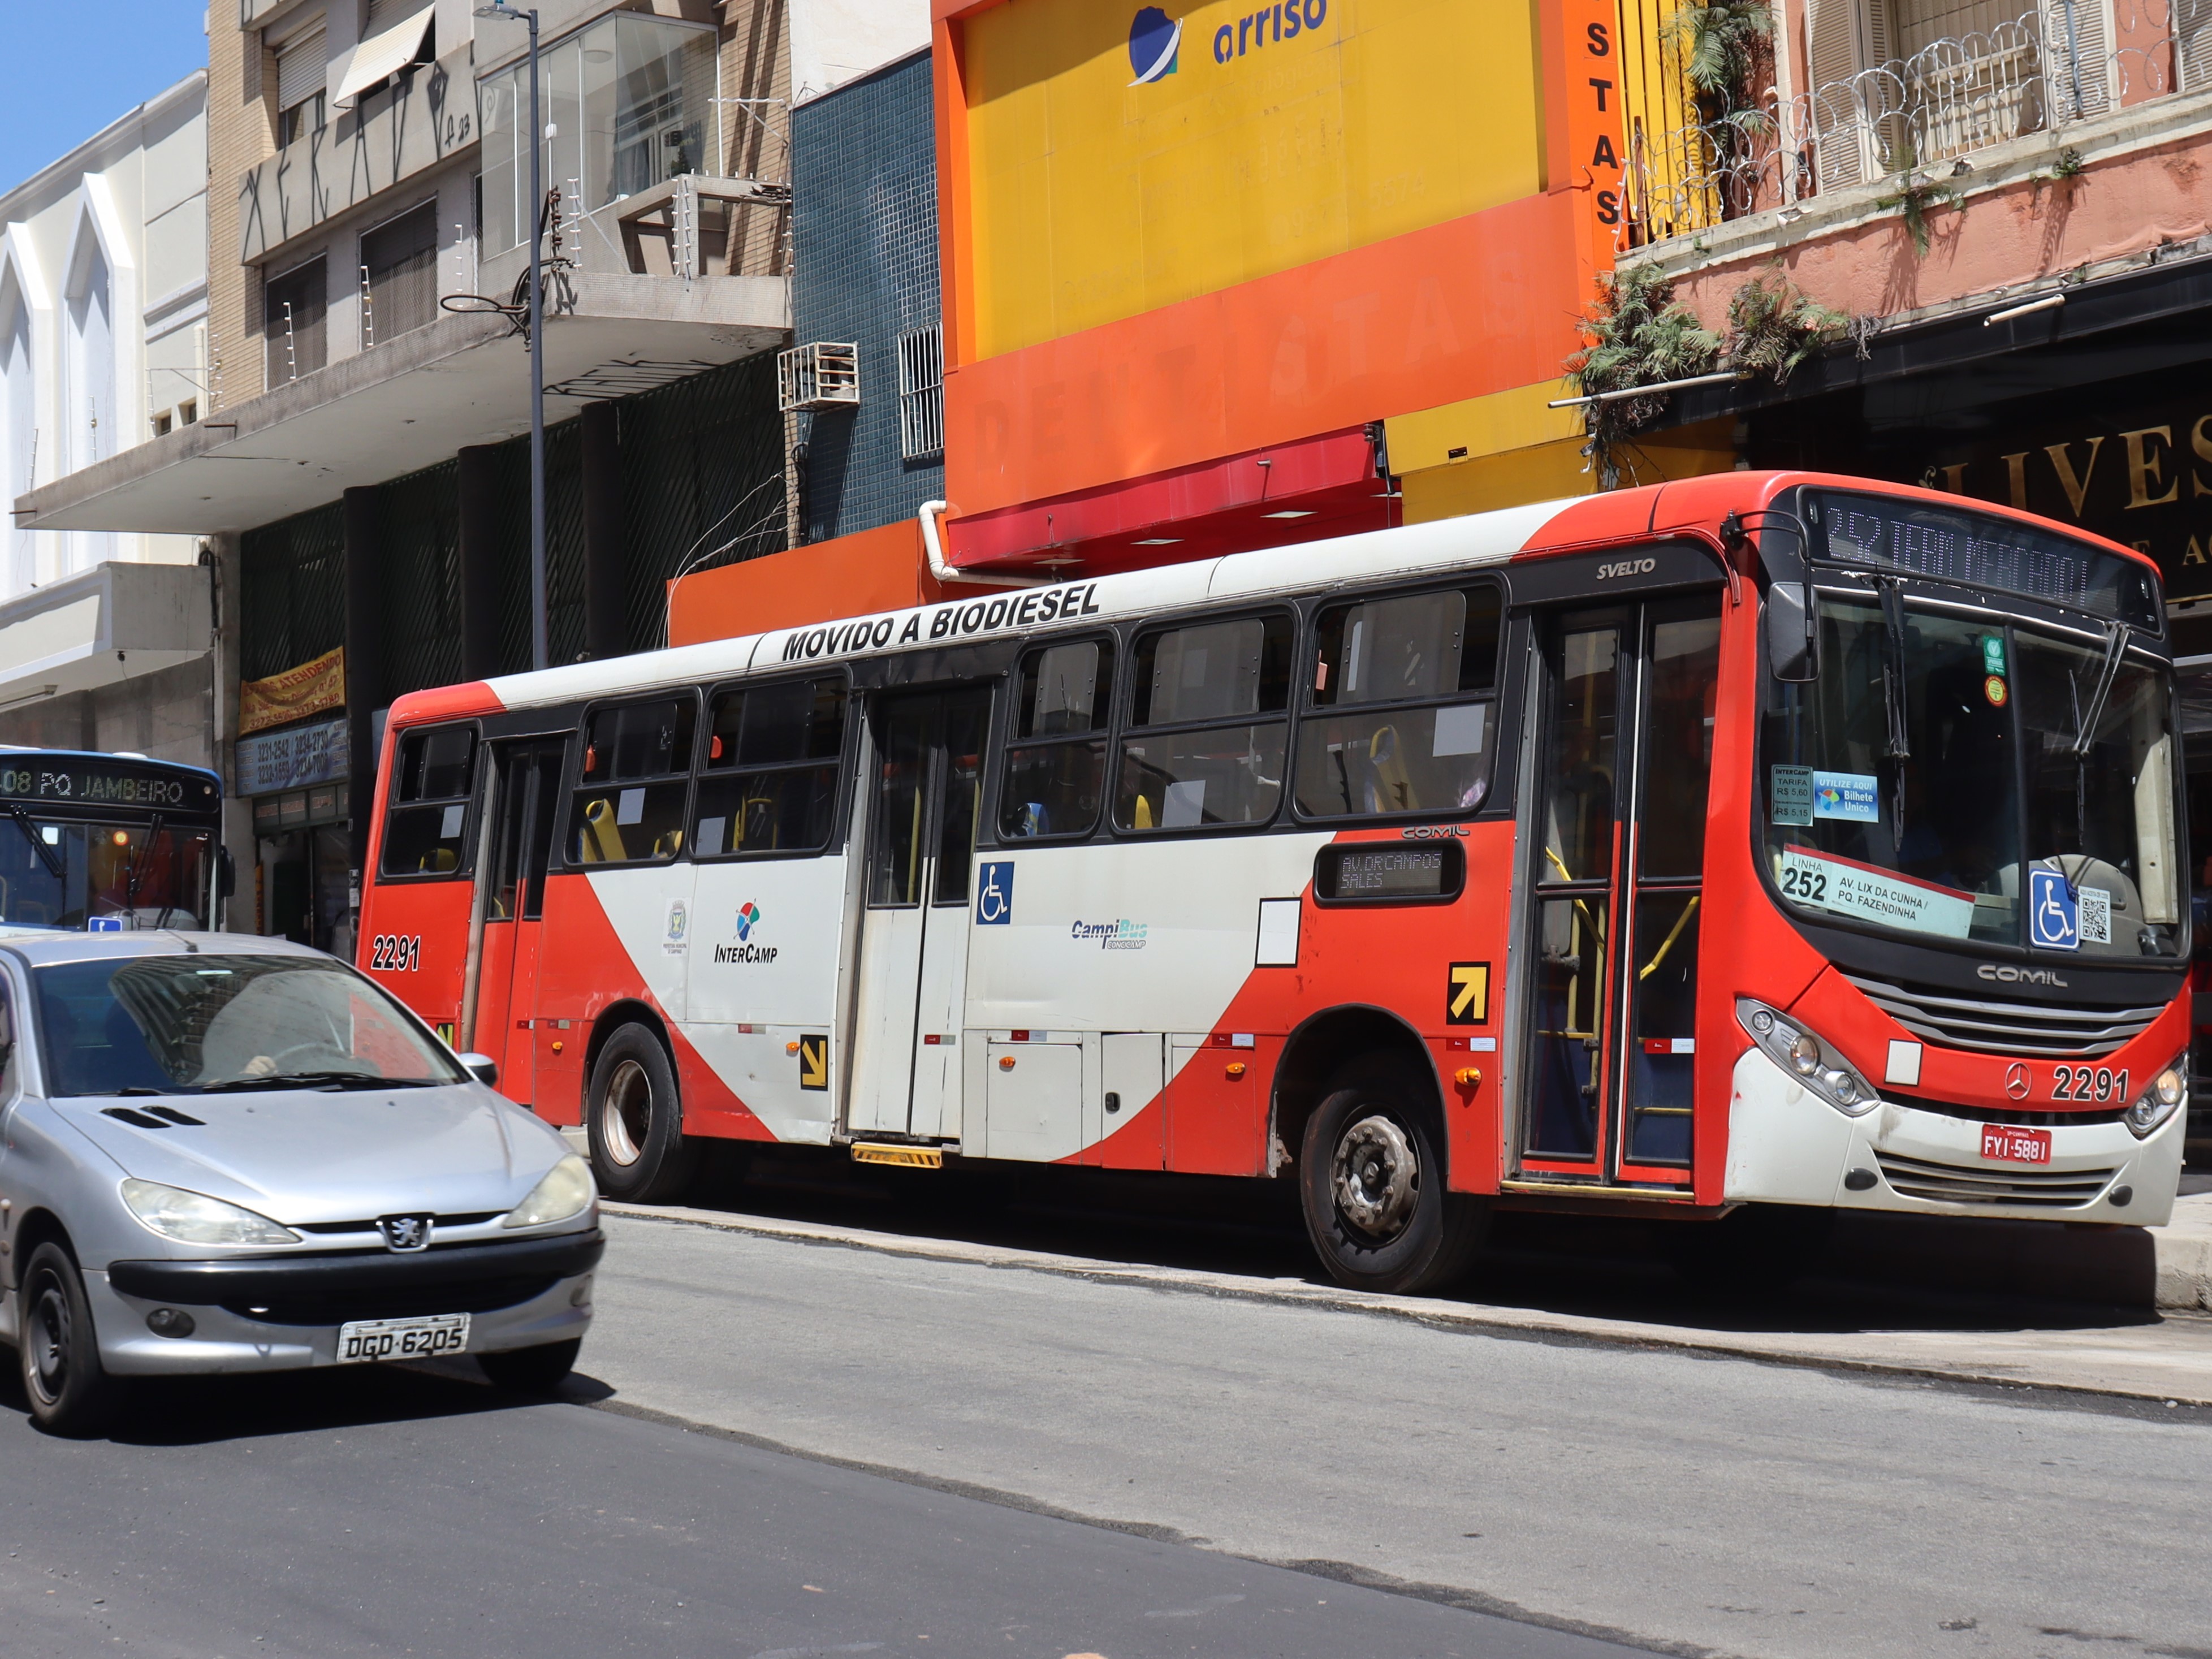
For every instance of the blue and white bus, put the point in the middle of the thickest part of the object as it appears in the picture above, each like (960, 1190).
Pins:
(108, 842)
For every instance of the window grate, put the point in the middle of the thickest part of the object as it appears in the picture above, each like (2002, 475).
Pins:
(824, 375)
(921, 392)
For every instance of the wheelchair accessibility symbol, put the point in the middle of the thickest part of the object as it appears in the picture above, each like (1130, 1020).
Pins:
(2053, 920)
(994, 894)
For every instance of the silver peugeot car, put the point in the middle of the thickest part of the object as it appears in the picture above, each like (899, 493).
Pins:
(220, 1153)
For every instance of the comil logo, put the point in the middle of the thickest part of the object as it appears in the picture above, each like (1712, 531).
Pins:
(1155, 43)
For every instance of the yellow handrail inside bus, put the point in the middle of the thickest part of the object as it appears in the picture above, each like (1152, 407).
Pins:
(1680, 922)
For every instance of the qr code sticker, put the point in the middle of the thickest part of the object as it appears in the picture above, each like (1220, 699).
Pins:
(2095, 905)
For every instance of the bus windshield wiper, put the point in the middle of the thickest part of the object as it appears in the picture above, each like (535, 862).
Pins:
(1900, 748)
(131, 869)
(2115, 646)
(28, 825)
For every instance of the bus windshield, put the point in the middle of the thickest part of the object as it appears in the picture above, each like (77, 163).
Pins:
(1937, 755)
(56, 874)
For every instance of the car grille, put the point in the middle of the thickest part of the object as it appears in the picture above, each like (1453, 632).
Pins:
(335, 1306)
(1953, 1183)
(2006, 1028)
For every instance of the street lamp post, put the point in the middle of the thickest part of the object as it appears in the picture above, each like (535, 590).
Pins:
(540, 648)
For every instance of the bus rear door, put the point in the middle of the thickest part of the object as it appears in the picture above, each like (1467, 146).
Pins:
(926, 788)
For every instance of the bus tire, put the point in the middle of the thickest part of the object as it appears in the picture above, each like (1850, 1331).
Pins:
(1371, 1182)
(634, 1118)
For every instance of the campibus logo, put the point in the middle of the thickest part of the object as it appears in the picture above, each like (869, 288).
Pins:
(1155, 42)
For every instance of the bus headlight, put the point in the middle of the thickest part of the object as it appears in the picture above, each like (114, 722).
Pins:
(2167, 1091)
(1805, 1057)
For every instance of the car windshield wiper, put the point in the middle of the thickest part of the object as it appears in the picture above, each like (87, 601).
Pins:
(314, 1080)
(28, 825)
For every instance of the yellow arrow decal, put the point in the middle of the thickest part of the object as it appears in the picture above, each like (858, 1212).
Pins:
(814, 1062)
(1467, 994)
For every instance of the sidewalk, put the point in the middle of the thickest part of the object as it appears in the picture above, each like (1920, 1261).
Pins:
(2008, 1343)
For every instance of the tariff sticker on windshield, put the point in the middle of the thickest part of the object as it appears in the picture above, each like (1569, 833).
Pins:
(1846, 795)
(1869, 895)
(2093, 906)
(1790, 795)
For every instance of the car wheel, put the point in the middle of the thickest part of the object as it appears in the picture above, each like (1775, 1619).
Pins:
(69, 1390)
(640, 1153)
(1372, 1180)
(531, 1371)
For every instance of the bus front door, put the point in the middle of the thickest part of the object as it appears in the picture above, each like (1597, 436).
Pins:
(1617, 825)
(925, 787)
(528, 788)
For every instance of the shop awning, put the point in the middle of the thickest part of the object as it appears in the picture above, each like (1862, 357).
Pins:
(381, 57)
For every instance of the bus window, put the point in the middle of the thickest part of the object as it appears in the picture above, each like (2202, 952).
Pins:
(1056, 768)
(769, 780)
(1226, 773)
(636, 774)
(431, 789)
(1401, 720)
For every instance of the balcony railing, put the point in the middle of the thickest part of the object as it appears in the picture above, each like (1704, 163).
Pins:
(2043, 71)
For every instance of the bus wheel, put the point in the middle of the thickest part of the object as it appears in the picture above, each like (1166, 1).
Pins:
(640, 1153)
(1371, 1177)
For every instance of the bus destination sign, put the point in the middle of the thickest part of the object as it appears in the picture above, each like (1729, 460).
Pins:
(57, 780)
(1382, 873)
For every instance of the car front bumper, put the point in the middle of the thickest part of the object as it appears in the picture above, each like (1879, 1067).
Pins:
(282, 1313)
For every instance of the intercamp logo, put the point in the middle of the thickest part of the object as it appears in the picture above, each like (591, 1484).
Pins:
(1155, 42)
(747, 916)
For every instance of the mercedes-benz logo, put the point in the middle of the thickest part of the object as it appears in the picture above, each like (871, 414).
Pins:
(405, 1233)
(2015, 1084)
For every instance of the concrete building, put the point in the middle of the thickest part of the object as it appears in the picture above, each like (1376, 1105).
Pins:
(105, 634)
(359, 470)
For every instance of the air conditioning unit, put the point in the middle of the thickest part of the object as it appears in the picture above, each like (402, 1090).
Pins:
(824, 375)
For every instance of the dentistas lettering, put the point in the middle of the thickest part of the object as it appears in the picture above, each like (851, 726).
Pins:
(945, 621)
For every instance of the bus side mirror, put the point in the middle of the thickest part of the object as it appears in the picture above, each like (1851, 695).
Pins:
(1792, 632)
(225, 869)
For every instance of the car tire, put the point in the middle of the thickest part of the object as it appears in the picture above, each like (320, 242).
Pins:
(634, 1120)
(1371, 1182)
(540, 1370)
(70, 1391)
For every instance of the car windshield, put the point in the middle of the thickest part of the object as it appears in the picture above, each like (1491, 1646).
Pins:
(199, 1023)
(58, 874)
(1937, 755)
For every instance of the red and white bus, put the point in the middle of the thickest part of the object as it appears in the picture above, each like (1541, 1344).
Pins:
(1766, 839)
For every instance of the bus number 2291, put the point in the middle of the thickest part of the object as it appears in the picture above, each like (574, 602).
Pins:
(395, 953)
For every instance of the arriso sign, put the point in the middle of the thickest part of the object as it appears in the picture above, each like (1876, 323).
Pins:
(2142, 476)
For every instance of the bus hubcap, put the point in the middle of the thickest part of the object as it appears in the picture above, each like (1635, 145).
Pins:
(1377, 1178)
(625, 1112)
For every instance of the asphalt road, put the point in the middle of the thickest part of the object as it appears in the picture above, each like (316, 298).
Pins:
(390, 1512)
(1662, 1497)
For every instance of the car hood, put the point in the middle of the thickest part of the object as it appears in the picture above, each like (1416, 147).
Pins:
(308, 1156)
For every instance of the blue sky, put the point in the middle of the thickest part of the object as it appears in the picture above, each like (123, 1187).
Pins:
(75, 65)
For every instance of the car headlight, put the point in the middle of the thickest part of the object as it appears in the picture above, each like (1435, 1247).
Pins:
(565, 1191)
(1808, 1058)
(2167, 1091)
(195, 1218)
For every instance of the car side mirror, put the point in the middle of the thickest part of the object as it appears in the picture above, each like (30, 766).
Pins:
(483, 1068)
(1792, 632)
(225, 873)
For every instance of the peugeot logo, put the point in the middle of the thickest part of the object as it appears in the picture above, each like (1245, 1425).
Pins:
(2016, 1086)
(412, 1232)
